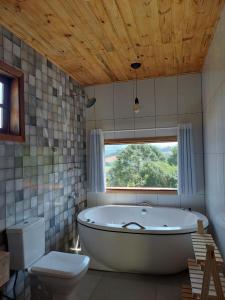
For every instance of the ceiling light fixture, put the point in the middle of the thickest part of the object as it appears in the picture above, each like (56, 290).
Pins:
(136, 106)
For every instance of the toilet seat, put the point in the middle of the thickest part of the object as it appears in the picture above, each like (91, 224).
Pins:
(61, 265)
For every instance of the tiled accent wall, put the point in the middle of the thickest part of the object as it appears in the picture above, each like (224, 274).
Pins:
(165, 102)
(46, 175)
(214, 131)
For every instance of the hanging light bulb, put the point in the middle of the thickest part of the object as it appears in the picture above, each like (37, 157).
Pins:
(136, 105)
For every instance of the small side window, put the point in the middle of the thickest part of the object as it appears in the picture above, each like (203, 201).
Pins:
(11, 104)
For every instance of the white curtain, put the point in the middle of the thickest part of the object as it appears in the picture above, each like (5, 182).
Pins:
(186, 163)
(96, 172)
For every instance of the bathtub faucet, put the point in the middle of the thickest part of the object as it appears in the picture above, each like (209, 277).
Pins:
(145, 203)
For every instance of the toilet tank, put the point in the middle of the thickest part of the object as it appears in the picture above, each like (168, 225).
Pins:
(26, 242)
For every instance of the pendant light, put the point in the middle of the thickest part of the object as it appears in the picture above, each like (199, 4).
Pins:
(136, 106)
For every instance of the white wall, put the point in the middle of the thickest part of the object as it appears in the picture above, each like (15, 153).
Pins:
(165, 102)
(213, 84)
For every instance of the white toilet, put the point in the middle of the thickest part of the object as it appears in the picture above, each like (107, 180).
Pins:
(59, 272)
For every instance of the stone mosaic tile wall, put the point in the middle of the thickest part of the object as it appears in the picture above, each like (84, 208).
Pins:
(46, 175)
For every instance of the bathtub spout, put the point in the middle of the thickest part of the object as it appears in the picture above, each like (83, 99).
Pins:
(145, 203)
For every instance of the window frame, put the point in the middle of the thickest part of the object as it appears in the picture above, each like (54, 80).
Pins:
(142, 190)
(6, 103)
(5, 134)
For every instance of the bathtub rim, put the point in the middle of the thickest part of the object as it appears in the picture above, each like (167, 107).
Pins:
(161, 231)
(144, 232)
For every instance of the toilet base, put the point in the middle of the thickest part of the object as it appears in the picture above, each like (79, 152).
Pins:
(52, 288)
(64, 297)
(40, 292)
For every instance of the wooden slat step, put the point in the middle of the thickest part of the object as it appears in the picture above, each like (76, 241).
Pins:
(196, 277)
(202, 247)
(186, 293)
(204, 235)
(201, 237)
(199, 242)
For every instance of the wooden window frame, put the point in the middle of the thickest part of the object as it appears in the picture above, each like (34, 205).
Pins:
(141, 190)
(6, 103)
(5, 135)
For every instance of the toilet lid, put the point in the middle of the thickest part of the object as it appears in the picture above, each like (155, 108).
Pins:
(60, 264)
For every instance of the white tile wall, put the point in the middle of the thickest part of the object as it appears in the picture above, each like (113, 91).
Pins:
(189, 93)
(164, 102)
(104, 105)
(196, 203)
(213, 83)
(124, 134)
(106, 125)
(170, 131)
(169, 200)
(150, 132)
(144, 122)
(166, 121)
(123, 99)
(166, 95)
(124, 124)
(90, 125)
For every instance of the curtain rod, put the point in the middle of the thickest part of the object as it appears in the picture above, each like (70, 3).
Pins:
(150, 129)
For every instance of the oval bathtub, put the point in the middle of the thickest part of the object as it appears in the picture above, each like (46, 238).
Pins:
(138, 239)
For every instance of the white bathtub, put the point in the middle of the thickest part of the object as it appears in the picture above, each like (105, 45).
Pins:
(157, 241)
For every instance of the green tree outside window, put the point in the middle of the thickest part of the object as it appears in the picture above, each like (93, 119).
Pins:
(142, 165)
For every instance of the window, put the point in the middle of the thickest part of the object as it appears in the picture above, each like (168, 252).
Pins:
(5, 84)
(141, 164)
(11, 104)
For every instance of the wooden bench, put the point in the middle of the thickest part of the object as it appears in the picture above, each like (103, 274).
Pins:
(186, 292)
(196, 277)
(207, 280)
(199, 242)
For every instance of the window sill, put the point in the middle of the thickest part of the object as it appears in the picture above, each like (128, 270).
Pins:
(166, 191)
(12, 138)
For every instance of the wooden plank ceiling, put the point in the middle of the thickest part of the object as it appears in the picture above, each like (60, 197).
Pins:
(95, 41)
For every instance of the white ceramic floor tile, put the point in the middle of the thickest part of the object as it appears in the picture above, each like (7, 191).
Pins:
(98, 285)
(87, 285)
(124, 286)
